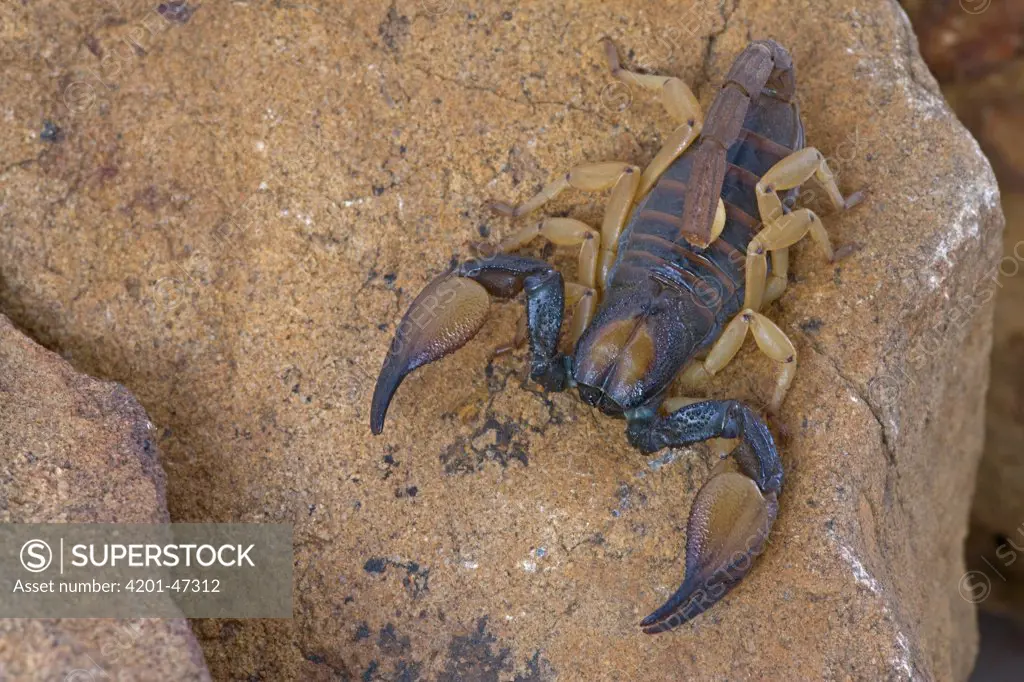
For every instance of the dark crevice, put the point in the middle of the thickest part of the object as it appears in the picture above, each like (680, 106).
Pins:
(852, 385)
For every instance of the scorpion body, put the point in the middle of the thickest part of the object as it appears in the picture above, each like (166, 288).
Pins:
(679, 266)
(661, 267)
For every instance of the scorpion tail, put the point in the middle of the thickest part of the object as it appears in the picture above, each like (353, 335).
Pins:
(446, 314)
(732, 513)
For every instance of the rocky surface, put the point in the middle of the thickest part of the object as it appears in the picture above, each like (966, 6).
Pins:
(228, 208)
(77, 450)
(977, 51)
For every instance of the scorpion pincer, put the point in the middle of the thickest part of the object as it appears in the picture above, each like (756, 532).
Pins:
(679, 268)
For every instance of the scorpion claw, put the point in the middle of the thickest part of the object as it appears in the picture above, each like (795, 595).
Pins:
(446, 314)
(728, 528)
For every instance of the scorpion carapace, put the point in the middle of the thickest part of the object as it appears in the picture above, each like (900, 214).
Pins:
(679, 267)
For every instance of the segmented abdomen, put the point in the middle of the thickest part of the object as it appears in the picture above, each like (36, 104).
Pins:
(653, 243)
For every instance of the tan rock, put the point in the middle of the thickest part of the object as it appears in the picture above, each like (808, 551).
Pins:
(77, 450)
(972, 48)
(237, 207)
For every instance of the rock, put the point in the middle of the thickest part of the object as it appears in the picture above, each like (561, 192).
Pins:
(77, 450)
(241, 209)
(973, 46)
(995, 548)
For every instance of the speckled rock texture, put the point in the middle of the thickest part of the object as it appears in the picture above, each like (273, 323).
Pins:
(974, 49)
(77, 450)
(230, 208)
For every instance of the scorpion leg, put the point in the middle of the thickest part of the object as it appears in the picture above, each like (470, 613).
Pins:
(568, 232)
(680, 103)
(733, 511)
(780, 234)
(623, 178)
(452, 308)
(789, 173)
(772, 341)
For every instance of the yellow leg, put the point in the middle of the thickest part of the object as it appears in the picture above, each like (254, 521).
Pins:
(622, 178)
(781, 229)
(679, 101)
(772, 341)
(584, 302)
(563, 232)
(780, 234)
(568, 232)
(779, 276)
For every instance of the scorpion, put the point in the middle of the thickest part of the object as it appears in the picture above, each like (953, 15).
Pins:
(670, 286)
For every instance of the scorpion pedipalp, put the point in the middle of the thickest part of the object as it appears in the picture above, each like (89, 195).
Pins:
(446, 314)
(734, 510)
(453, 307)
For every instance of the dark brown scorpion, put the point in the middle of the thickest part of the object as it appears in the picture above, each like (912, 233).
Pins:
(687, 275)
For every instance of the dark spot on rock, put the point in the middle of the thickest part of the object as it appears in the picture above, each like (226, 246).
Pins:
(538, 669)
(506, 16)
(1001, 540)
(402, 149)
(51, 132)
(94, 46)
(484, 230)
(390, 278)
(370, 671)
(375, 565)
(389, 460)
(383, 326)
(362, 631)
(394, 28)
(812, 326)
(377, 190)
(177, 10)
(349, 599)
(407, 672)
(468, 455)
(474, 657)
(391, 643)
(315, 658)
(229, 630)
(412, 490)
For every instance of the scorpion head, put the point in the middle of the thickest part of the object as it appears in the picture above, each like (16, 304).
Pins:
(632, 350)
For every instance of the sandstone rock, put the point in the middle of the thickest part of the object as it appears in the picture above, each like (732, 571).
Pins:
(973, 46)
(240, 210)
(77, 450)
